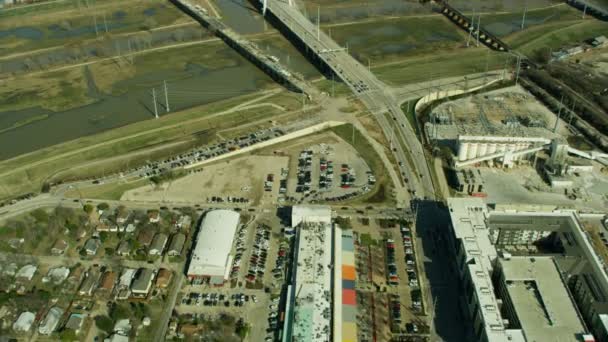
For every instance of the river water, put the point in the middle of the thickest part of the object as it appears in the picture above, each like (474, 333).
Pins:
(193, 86)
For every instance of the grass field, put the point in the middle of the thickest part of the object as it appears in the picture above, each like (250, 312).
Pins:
(111, 192)
(382, 191)
(58, 90)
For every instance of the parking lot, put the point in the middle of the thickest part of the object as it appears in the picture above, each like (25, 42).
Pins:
(325, 169)
(257, 274)
(387, 279)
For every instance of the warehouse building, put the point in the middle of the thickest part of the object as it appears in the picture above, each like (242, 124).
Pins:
(211, 258)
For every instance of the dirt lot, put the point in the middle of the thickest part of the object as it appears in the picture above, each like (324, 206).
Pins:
(524, 185)
(242, 177)
(245, 176)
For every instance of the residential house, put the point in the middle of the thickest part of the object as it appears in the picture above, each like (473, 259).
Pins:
(75, 322)
(24, 322)
(142, 283)
(184, 222)
(108, 280)
(130, 228)
(124, 283)
(91, 246)
(176, 245)
(123, 327)
(122, 216)
(90, 282)
(163, 278)
(158, 244)
(106, 226)
(26, 273)
(123, 249)
(51, 321)
(154, 216)
(59, 247)
(145, 237)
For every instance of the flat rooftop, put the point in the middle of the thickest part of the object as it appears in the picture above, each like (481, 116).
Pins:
(312, 310)
(540, 299)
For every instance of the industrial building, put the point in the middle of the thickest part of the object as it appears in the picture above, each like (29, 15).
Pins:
(308, 315)
(514, 292)
(211, 258)
(502, 127)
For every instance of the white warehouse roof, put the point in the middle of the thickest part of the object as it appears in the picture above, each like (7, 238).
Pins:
(310, 214)
(211, 254)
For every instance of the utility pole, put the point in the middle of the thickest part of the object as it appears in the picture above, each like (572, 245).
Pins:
(471, 28)
(523, 19)
(353, 137)
(95, 24)
(517, 71)
(478, 28)
(559, 113)
(485, 75)
(154, 99)
(319, 22)
(166, 96)
(131, 57)
(105, 23)
(333, 84)
(584, 11)
(369, 64)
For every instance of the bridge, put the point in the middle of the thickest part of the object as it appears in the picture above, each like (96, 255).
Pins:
(467, 24)
(249, 50)
(375, 95)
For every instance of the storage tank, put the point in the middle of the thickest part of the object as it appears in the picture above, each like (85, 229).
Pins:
(463, 149)
(473, 150)
(492, 148)
(483, 149)
(501, 147)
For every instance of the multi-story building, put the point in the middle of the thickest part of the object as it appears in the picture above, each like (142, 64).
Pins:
(529, 297)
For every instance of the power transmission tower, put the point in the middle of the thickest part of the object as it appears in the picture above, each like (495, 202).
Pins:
(154, 99)
(166, 96)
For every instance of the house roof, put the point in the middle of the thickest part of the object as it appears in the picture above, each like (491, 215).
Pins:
(177, 242)
(159, 241)
(75, 321)
(145, 236)
(163, 278)
(143, 280)
(108, 280)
